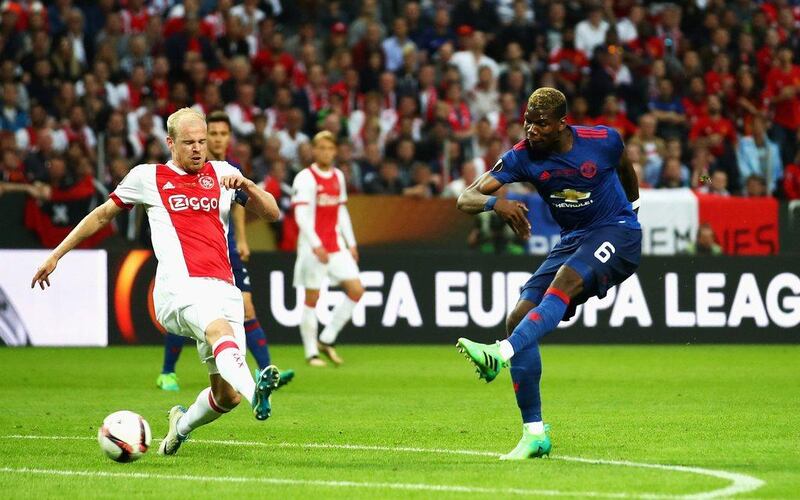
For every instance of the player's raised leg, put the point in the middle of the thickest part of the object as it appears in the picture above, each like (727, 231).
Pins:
(232, 365)
(342, 313)
(173, 345)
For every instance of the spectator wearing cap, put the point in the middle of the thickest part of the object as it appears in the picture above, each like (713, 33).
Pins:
(756, 154)
(396, 45)
(468, 61)
(337, 42)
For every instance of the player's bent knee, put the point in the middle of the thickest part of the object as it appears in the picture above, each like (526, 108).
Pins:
(311, 298)
(568, 281)
(217, 329)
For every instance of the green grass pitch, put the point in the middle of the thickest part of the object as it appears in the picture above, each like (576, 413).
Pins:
(414, 422)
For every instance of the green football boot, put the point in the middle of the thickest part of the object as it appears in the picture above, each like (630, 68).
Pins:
(530, 446)
(485, 357)
(266, 382)
(168, 382)
(285, 377)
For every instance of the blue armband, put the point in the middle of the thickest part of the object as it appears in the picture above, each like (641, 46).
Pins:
(490, 203)
(240, 197)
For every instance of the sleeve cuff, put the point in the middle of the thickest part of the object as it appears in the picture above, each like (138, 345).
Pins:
(119, 202)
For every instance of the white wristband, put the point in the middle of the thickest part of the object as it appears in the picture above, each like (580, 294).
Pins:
(636, 203)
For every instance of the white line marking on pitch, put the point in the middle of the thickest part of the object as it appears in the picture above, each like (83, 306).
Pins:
(740, 483)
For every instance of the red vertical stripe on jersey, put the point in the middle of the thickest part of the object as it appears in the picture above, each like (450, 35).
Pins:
(192, 202)
(326, 216)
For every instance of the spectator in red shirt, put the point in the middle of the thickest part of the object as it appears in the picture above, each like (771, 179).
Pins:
(568, 63)
(783, 84)
(714, 129)
(695, 103)
(720, 80)
(791, 179)
(614, 118)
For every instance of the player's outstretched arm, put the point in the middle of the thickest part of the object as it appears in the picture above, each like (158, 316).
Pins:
(628, 178)
(258, 200)
(478, 198)
(90, 224)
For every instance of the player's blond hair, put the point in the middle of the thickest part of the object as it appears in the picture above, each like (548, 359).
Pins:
(325, 135)
(550, 100)
(175, 118)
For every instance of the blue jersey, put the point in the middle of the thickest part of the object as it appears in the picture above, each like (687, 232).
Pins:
(581, 186)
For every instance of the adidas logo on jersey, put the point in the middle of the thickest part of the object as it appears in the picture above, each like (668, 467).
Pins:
(168, 185)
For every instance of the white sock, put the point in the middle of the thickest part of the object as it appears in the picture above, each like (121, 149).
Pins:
(308, 331)
(506, 350)
(534, 427)
(341, 315)
(203, 411)
(232, 366)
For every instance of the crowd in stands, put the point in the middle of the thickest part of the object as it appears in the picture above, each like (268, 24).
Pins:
(423, 95)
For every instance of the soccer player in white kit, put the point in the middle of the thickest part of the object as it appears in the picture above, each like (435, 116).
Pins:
(326, 246)
(188, 201)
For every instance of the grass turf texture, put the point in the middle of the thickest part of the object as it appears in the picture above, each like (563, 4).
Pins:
(726, 408)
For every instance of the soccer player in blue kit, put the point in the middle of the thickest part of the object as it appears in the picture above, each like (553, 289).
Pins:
(592, 191)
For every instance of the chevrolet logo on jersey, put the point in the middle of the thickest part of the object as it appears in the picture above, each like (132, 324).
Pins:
(572, 198)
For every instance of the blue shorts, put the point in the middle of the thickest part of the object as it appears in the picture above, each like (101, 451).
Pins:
(241, 278)
(604, 257)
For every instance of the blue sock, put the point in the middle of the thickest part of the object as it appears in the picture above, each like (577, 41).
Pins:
(543, 319)
(526, 372)
(173, 345)
(257, 342)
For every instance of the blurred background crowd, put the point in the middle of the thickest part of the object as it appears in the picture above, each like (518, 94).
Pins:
(424, 96)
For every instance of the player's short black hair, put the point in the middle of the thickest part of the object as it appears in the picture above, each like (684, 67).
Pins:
(548, 99)
(218, 117)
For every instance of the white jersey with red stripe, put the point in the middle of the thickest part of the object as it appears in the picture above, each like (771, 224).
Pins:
(188, 214)
(324, 191)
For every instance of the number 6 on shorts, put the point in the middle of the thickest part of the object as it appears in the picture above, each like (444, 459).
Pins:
(604, 251)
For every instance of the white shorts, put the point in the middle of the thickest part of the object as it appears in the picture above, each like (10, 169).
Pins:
(309, 271)
(188, 308)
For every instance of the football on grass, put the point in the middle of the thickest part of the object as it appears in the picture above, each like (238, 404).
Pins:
(124, 436)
